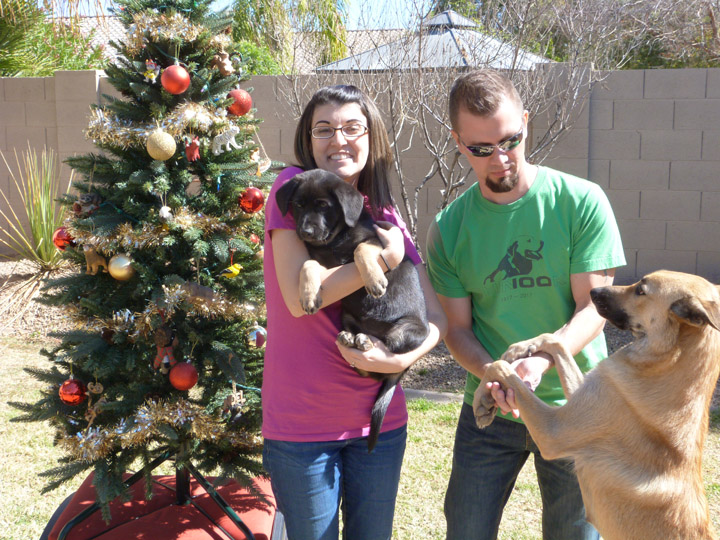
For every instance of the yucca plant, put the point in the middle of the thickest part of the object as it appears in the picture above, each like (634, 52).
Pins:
(29, 236)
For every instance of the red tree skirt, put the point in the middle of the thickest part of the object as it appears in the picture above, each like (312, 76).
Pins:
(161, 518)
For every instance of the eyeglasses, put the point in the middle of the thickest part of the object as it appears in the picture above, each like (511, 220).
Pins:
(487, 150)
(349, 131)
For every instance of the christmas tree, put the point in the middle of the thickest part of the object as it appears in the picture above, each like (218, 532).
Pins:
(168, 299)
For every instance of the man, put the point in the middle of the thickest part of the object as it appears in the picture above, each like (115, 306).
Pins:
(515, 256)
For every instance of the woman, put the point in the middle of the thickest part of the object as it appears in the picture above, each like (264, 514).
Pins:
(316, 408)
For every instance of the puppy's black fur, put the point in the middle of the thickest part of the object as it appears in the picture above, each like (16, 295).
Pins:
(331, 220)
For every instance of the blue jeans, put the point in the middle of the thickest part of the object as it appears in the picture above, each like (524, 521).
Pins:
(310, 480)
(486, 463)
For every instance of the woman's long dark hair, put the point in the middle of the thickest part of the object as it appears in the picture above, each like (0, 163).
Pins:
(373, 181)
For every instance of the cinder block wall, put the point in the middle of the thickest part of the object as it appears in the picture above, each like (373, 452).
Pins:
(650, 138)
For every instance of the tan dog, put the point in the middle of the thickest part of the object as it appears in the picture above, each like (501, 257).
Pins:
(636, 424)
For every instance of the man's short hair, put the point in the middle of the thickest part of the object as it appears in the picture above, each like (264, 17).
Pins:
(481, 92)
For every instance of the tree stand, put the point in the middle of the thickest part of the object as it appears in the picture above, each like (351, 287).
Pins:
(183, 497)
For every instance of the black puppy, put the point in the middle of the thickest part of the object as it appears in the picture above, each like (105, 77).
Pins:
(333, 223)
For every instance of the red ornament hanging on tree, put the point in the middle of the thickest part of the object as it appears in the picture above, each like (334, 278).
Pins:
(183, 376)
(192, 149)
(251, 200)
(254, 238)
(243, 102)
(62, 239)
(73, 392)
(175, 79)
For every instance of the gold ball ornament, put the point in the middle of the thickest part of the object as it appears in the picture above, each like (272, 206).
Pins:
(160, 145)
(120, 267)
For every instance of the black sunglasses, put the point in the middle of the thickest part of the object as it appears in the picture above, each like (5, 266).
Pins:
(486, 150)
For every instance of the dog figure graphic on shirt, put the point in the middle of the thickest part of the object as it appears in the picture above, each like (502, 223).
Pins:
(518, 261)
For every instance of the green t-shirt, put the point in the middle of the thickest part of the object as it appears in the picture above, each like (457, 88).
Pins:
(515, 261)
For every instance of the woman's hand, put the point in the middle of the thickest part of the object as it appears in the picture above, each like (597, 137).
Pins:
(378, 359)
(393, 241)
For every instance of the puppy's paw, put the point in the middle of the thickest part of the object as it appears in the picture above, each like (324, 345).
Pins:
(363, 343)
(346, 339)
(311, 303)
(377, 287)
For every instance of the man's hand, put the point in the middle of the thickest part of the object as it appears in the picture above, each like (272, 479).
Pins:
(530, 369)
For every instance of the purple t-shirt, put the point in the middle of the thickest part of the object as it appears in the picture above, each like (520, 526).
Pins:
(310, 393)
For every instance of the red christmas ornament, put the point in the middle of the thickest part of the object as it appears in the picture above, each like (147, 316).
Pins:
(183, 376)
(243, 102)
(254, 238)
(62, 239)
(192, 149)
(73, 392)
(175, 79)
(251, 200)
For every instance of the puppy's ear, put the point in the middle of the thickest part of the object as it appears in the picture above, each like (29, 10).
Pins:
(351, 201)
(284, 195)
(696, 312)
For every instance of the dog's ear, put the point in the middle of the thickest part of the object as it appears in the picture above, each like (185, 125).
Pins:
(351, 201)
(284, 195)
(696, 312)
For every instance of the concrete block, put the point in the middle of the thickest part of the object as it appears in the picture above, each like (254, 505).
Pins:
(76, 86)
(264, 86)
(12, 114)
(650, 260)
(3, 138)
(675, 83)
(20, 137)
(25, 89)
(572, 144)
(694, 175)
(624, 275)
(713, 83)
(2, 88)
(599, 172)
(643, 114)
(40, 113)
(670, 205)
(711, 145)
(671, 145)
(71, 139)
(626, 84)
(270, 142)
(642, 234)
(287, 141)
(49, 88)
(578, 167)
(614, 144)
(52, 138)
(71, 113)
(639, 175)
(710, 206)
(708, 265)
(693, 236)
(625, 204)
(697, 114)
(601, 114)
(104, 87)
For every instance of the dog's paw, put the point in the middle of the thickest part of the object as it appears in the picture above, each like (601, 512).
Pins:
(363, 343)
(529, 347)
(346, 339)
(311, 303)
(377, 287)
(484, 407)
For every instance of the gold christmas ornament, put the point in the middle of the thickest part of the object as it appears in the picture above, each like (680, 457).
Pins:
(120, 267)
(160, 145)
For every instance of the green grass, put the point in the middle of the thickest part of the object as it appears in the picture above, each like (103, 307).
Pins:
(26, 450)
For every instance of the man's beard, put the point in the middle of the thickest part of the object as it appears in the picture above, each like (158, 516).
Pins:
(505, 184)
